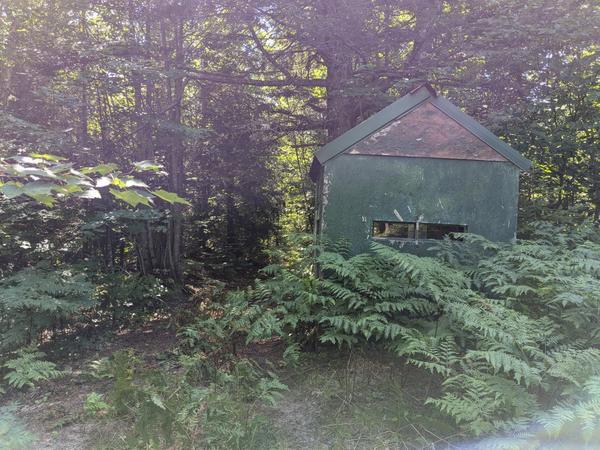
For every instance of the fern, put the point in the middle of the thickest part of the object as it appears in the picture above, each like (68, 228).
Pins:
(485, 403)
(511, 328)
(37, 299)
(574, 366)
(175, 409)
(291, 355)
(436, 354)
(580, 419)
(29, 368)
(504, 362)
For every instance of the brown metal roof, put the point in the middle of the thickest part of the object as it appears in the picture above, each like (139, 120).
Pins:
(426, 132)
(404, 106)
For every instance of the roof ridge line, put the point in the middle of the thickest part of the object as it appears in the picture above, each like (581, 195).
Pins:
(427, 85)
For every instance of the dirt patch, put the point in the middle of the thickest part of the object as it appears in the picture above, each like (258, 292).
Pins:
(360, 400)
(296, 420)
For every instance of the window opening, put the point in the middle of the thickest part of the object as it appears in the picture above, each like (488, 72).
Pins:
(439, 230)
(414, 230)
(402, 230)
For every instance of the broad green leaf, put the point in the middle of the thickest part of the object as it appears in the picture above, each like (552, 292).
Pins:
(26, 159)
(60, 168)
(77, 180)
(135, 183)
(79, 174)
(90, 193)
(69, 188)
(11, 190)
(48, 157)
(131, 197)
(170, 197)
(147, 165)
(101, 169)
(39, 188)
(44, 199)
(146, 194)
(26, 171)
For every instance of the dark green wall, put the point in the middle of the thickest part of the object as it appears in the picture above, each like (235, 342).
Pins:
(358, 189)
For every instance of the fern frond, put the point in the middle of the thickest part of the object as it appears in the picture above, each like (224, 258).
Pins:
(28, 368)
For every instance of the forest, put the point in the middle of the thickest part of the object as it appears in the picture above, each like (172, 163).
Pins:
(161, 286)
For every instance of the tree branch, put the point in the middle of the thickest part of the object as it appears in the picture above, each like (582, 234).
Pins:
(225, 78)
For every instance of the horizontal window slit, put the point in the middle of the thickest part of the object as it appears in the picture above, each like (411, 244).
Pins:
(415, 230)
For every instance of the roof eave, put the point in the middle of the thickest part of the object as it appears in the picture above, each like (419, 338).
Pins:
(482, 133)
(315, 168)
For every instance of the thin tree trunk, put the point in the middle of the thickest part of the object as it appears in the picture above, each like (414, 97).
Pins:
(82, 135)
(6, 69)
(173, 94)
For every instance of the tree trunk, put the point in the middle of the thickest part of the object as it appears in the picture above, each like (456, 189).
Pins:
(82, 135)
(6, 68)
(341, 110)
(174, 143)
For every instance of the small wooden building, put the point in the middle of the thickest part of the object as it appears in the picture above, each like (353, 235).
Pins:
(414, 172)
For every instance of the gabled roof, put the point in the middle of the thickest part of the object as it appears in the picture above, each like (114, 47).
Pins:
(402, 107)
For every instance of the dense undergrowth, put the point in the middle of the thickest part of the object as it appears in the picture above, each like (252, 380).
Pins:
(186, 402)
(42, 302)
(508, 333)
(511, 329)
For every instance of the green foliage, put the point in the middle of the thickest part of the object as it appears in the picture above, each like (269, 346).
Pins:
(579, 416)
(178, 405)
(170, 197)
(45, 178)
(126, 296)
(95, 405)
(512, 329)
(291, 355)
(205, 334)
(40, 298)
(28, 368)
(13, 434)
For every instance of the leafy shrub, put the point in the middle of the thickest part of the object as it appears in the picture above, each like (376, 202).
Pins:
(511, 329)
(28, 368)
(95, 405)
(125, 295)
(205, 334)
(176, 406)
(291, 355)
(40, 298)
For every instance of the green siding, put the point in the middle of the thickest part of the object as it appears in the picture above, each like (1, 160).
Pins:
(358, 189)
